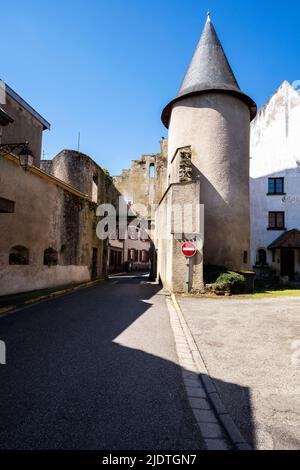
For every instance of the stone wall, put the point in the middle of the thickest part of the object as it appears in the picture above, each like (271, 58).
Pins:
(24, 128)
(170, 215)
(47, 214)
(81, 172)
(139, 186)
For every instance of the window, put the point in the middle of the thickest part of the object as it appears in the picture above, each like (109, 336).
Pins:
(152, 170)
(6, 206)
(276, 186)
(276, 221)
(95, 188)
(19, 255)
(145, 256)
(133, 232)
(50, 257)
(133, 255)
(261, 257)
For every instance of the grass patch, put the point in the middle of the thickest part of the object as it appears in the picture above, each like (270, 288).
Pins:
(273, 293)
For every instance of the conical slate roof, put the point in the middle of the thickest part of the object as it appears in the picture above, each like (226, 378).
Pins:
(209, 71)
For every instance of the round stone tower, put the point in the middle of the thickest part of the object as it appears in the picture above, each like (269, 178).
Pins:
(213, 116)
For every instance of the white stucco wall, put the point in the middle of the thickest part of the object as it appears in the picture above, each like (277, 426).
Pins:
(217, 128)
(275, 152)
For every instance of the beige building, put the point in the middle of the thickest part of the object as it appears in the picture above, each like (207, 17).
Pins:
(26, 123)
(48, 238)
(48, 210)
(142, 187)
(208, 164)
(145, 182)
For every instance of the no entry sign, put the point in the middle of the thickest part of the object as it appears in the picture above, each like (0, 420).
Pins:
(189, 250)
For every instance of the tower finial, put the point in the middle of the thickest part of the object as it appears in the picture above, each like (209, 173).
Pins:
(208, 15)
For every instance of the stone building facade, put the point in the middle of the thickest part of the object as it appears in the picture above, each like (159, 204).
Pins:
(145, 182)
(275, 186)
(49, 238)
(142, 187)
(26, 123)
(211, 117)
(48, 210)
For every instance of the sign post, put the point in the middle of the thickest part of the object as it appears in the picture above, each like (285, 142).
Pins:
(188, 250)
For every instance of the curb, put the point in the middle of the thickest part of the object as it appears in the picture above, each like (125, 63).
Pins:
(58, 293)
(219, 410)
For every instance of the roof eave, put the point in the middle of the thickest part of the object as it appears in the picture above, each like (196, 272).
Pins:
(46, 125)
(166, 114)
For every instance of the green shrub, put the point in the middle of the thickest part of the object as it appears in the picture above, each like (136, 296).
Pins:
(222, 281)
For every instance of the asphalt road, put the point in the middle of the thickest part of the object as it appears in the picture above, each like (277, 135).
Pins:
(95, 369)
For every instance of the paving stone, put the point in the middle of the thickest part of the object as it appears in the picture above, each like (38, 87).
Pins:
(243, 447)
(189, 367)
(217, 403)
(216, 444)
(203, 404)
(189, 375)
(196, 402)
(205, 416)
(232, 429)
(208, 383)
(193, 382)
(211, 430)
(185, 357)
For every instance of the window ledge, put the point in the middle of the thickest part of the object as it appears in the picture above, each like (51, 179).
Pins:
(276, 194)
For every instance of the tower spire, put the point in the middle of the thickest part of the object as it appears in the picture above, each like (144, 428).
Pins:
(208, 71)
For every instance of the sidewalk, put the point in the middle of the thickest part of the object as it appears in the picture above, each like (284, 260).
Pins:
(250, 350)
(14, 301)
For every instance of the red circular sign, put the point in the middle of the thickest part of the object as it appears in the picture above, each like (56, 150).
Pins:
(189, 250)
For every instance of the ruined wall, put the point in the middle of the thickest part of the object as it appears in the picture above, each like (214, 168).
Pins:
(82, 172)
(24, 128)
(46, 216)
(139, 186)
(79, 171)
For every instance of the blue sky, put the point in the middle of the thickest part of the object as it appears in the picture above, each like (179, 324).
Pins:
(106, 68)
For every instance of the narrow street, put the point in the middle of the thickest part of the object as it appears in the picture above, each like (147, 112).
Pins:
(95, 369)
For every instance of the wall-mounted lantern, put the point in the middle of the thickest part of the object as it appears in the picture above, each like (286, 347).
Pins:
(25, 155)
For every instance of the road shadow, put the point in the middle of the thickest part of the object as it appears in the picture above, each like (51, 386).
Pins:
(71, 383)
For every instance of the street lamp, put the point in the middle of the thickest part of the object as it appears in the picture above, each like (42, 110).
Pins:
(26, 156)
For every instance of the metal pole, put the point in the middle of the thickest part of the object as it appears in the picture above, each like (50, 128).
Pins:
(187, 274)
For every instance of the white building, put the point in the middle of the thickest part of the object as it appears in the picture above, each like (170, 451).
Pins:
(275, 184)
